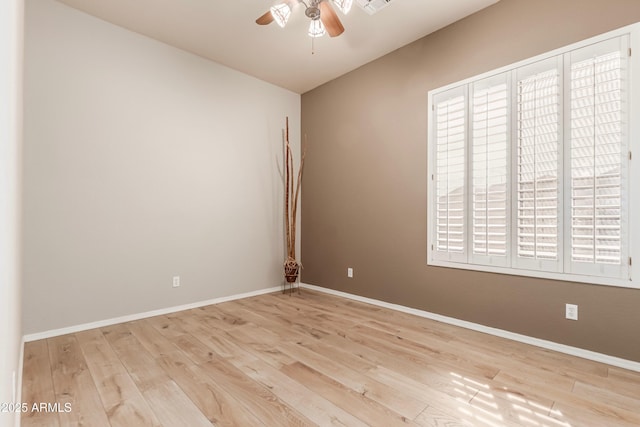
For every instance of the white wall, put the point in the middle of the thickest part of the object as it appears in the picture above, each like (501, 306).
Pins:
(11, 28)
(141, 162)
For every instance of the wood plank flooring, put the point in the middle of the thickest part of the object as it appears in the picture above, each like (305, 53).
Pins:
(314, 359)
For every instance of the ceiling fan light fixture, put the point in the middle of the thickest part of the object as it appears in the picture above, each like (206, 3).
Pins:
(316, 28)
(344, 5)
(281, 13)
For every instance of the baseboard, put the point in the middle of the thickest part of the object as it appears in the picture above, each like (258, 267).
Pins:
(549, 345)
(108, 322)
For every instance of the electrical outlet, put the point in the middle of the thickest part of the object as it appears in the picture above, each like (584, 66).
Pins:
(571, 311)
(176, 281)
(349, 272)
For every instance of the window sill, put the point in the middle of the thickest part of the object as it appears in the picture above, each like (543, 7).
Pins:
(566, 277)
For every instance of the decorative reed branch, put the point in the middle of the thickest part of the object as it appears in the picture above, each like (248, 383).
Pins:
(291, 195)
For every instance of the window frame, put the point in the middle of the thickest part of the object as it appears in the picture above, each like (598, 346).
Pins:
(630, 193)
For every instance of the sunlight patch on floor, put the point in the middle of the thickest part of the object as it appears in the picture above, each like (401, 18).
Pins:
(488, 409)
(497, 422)
(470, 389)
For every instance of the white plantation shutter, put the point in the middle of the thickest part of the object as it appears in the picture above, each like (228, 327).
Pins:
(530, 166)
(490, 170)
(598, 153)
(450, 121)
(538, 177)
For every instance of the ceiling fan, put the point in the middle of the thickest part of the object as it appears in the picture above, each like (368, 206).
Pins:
(323, 18)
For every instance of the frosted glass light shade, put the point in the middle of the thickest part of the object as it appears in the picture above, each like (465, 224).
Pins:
(281, 13)
(316, 29)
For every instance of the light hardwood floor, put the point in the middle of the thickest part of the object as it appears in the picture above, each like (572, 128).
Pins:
(314, 359)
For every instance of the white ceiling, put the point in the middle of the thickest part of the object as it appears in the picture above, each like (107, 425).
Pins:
(225, 31)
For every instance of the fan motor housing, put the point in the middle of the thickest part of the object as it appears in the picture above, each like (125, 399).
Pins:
(312, 11)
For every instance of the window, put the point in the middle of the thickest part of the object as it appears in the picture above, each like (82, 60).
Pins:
(529, 166)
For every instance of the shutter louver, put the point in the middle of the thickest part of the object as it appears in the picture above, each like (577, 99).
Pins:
(489, 170)
(538, 166)
(597, 151)
(450, 122)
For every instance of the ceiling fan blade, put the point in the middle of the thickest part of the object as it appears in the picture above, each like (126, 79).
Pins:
(265, 19)
(330, 20)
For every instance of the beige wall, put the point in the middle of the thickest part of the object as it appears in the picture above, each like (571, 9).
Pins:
(11, 23)
(142, 162)
(365, 203)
